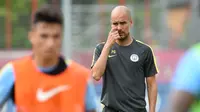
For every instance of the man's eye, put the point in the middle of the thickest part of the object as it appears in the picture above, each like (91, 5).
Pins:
(44, 36)
(56, 36)
(115, 24)
(122, 23)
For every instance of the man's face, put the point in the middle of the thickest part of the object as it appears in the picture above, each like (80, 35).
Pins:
(122, 23)
(46, 39)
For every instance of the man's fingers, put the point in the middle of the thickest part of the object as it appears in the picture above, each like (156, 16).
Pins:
(114, 33)
(113, 30)
(116, 36)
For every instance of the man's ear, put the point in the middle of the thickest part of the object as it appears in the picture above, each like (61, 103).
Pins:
(131, 23)
(30, 36)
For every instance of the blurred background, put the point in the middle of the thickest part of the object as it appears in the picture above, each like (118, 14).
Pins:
(169, 26)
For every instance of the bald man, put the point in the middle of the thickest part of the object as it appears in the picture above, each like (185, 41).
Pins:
(124, 63)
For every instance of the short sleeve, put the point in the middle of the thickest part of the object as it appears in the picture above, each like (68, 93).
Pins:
(150, 67)
(6, 82)
(187, 74)
(97, 53)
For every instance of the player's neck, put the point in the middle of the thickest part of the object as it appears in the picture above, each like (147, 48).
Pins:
(125, 42)
(42, 62)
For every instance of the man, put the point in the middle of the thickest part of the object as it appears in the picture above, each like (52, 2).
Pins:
(124, 63)
(43, 81)
(185, 91)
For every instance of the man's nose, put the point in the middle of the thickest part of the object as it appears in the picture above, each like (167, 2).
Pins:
(119, 27)
(50, 42)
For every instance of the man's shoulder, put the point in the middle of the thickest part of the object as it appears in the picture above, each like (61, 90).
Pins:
(196, 46)
(6, 66)
(100, 45)
(192, 55)
(21, 59)
(144, 47)
(21, 63)
(195, 49)
(77, 65)
(7, 69)
(79, 69)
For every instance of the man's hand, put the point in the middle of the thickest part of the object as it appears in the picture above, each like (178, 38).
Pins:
(112, 37)
(99, 67)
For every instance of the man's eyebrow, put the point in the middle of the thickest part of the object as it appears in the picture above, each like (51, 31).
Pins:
(118, 21)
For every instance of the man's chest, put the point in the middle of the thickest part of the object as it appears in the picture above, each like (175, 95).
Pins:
(128, 58)
(52, 91)
(126, 66)
(47, 89)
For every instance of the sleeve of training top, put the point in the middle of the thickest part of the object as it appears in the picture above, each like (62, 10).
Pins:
(97, 53)
(150, 67)
(187, 74)
(8, 106)
(91, 99)
(6, 82)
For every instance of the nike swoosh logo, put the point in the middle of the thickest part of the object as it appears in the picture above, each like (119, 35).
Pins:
(110, 56)
(44, 96)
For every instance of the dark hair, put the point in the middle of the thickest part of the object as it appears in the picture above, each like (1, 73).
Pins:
(49, 14)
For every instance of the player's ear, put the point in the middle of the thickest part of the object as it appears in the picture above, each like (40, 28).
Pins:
(30, 36)
(131, 21)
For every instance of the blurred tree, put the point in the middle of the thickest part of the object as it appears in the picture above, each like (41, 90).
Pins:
(21, 16)
(126, 1)
(178, 3)
(84, 1)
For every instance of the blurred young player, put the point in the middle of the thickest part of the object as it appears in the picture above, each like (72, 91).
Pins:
(43, 81)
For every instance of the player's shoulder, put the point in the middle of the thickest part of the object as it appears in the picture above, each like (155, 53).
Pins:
(197, 46)
(192, 55)
(100, 45)
(8, 67)
(76, 65)
(21, 61)
(143, 46)
(195, 49)
(78, 68)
